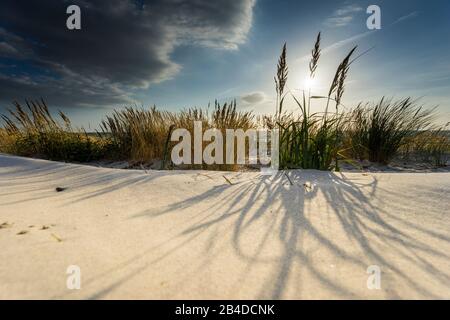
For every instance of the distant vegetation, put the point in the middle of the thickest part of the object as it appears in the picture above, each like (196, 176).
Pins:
(377, 132)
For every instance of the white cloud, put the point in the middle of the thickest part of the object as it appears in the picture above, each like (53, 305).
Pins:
(406, 17)
(352, 39)
(343, 16)
(348, 9)
(339, 44)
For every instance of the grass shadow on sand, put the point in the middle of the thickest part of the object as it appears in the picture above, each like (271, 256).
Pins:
(284, 202)
(353, 226)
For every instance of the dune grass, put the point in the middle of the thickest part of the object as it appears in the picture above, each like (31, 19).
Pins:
(428, 146)
(377, 132)
(33, 132)
(144, 135)
(136, 134)
(311, 140)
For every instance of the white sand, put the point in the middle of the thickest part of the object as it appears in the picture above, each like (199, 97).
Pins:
(192, 235)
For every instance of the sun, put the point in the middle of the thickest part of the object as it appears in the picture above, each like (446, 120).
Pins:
(309, 83)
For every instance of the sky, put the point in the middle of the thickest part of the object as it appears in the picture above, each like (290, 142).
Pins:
(177, 54)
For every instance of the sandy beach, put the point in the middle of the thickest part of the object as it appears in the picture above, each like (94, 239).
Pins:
(197, 235)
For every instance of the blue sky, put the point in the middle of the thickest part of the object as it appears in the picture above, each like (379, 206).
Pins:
(198, 61)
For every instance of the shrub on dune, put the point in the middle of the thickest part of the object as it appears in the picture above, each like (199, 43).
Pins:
(32, 131)
(377, 131)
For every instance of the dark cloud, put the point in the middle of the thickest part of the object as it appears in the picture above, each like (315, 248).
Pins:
(254, 98)
(123, 46)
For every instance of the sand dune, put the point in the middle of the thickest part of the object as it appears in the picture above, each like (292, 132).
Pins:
(193, 235)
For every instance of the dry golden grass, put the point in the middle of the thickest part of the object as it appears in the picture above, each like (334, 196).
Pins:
(32, 131)
(432, 146)
(144, 135)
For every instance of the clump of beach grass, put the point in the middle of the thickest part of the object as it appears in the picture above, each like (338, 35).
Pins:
(143, 136)
(32, 131)
(377, 131)
(311, 141)
(137, 134)
(429, 146)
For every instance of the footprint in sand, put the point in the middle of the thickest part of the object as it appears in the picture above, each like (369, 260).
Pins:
(5, 225)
